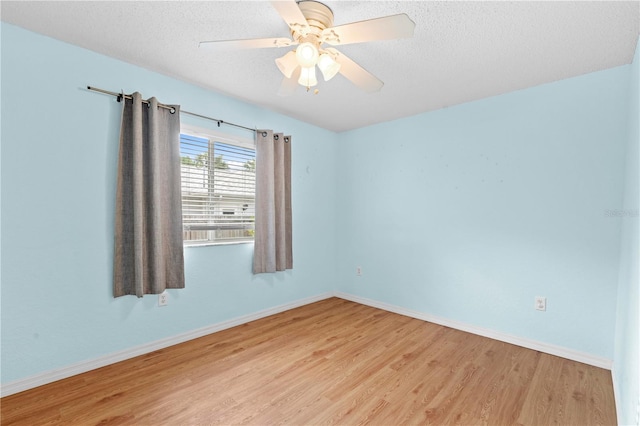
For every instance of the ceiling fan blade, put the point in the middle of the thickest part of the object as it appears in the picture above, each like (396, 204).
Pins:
(386, 28)
(289, 85)
(291, 14)
(254, 43)
(355, 73)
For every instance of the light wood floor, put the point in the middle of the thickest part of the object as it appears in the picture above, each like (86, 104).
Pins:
(331, 362)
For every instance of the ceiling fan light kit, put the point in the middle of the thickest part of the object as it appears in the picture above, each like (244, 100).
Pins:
(311, 25)
(307, 54)
(288, 63)
(328, 66)
(308, 77)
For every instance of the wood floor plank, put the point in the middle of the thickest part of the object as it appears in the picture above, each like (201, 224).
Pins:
(331, 362)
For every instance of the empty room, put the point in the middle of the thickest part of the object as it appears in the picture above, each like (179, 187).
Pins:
(336, 212)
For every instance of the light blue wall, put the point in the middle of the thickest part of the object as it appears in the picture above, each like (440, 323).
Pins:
(59, 154)
(470, 212)
(627, 354)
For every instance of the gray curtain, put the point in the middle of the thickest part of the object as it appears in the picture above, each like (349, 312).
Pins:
(148, 225)
(273, 237)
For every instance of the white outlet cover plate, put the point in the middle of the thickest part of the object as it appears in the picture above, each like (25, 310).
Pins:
(163, 299)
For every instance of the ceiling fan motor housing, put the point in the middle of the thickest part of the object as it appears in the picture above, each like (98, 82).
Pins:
(319, 16)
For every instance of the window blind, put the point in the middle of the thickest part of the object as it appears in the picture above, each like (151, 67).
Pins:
(218, 190)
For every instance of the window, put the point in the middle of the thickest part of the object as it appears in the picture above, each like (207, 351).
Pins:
(218, 187)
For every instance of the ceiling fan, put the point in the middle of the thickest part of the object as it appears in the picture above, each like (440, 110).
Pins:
(311, 24)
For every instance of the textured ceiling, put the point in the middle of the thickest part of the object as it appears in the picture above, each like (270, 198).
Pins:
(461, 51)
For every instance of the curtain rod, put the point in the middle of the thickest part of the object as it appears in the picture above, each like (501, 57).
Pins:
(169, 107)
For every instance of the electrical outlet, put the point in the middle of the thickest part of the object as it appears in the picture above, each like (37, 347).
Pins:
(359, 271)
(541, 303)
(163, 299)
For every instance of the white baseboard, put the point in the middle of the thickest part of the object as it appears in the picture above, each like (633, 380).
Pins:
(84, 366)
(492, 334)
(616, 394)
(92, 364)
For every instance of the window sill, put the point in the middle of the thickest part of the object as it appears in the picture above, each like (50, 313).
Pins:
(209, 244)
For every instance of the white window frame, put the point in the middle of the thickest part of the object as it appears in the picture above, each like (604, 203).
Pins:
(216, 136)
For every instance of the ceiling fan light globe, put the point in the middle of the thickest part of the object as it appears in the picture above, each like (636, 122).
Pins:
(328, 66)
(307, 55)
(308, 77)
(287, 64)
